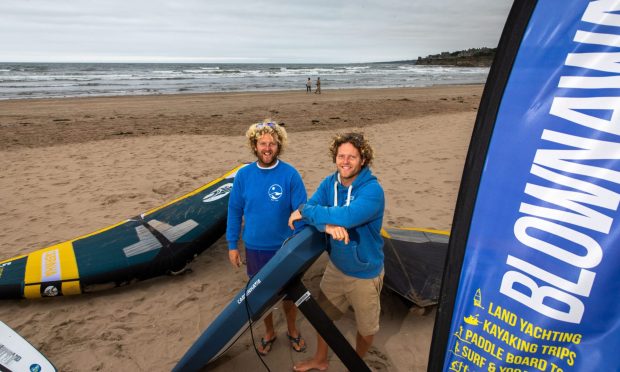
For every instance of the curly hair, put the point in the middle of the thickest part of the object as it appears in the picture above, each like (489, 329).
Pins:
(267, 126)
(358, 141)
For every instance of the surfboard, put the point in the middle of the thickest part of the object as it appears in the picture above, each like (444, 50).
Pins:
(263, 291)
(414, 263)
(160, 241)
(17, 354)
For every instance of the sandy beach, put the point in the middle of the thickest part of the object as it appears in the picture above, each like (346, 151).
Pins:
(73, 166)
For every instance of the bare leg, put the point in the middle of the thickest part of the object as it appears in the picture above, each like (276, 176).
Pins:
(290, 310)
(270, 333)
(319, 361)
(362, 344)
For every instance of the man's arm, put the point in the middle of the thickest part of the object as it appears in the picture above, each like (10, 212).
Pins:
(298, 197)
(318, 198)
(298, 191)
(366, 206)
(233, 223)
(295, 216)
(337, 233)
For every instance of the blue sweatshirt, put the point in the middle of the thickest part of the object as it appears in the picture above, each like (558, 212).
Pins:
(265, 198)
(359, 209)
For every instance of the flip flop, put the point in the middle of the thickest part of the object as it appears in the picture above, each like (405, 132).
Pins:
(296, 343)
(266, 346)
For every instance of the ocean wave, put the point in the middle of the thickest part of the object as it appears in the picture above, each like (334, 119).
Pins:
(74, 79)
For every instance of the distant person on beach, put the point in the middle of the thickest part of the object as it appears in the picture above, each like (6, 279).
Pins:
(348, 206)
(308, 86)
(318, 86)
(264, 194)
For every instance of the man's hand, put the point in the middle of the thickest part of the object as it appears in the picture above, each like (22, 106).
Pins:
(338, 233)
(234, 258)
(295, 216)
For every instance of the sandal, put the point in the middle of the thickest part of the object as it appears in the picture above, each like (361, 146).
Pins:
(296, 343)
(266, 346)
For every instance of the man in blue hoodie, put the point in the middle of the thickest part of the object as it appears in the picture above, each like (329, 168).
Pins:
(263, 195)
(348, 206)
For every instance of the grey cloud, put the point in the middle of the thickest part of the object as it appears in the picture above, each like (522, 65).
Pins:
(267, 30)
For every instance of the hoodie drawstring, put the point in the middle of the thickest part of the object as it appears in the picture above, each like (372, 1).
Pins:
(346, 204)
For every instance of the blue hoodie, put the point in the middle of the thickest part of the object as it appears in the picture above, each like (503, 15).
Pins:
(359, 209)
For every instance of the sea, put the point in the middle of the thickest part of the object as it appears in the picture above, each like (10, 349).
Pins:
(54, 80)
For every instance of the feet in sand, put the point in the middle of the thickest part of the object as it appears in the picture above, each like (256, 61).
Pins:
(310, 365)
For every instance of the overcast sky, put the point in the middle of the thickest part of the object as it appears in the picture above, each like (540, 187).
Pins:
(259, 31)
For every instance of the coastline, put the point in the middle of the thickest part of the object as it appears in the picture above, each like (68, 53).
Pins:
(48, 122)
(57, 80)
(72, 166)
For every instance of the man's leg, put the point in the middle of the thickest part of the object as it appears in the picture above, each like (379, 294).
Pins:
(269, 331)
(290, 310)
(331, 283)
(362, 344)
(270, 334)
(366, 301)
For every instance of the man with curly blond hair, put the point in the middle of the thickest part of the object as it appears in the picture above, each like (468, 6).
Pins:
(264, 194)
(348, 206)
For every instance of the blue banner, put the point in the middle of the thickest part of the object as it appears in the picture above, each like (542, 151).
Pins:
(540, 276)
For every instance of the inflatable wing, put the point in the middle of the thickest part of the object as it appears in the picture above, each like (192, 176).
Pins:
(162, 240)
(414, 263)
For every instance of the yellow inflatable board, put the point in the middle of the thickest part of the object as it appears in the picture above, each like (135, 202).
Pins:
(156, 242)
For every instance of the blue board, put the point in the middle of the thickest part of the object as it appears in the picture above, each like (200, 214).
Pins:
(264, 290)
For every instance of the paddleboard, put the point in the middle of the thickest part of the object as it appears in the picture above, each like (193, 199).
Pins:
(413, 265)
(17, 354)
(263, 291)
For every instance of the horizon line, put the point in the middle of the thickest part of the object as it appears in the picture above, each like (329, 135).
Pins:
(212, 62)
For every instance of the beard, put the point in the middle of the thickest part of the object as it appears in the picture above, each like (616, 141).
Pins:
(267, 160)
